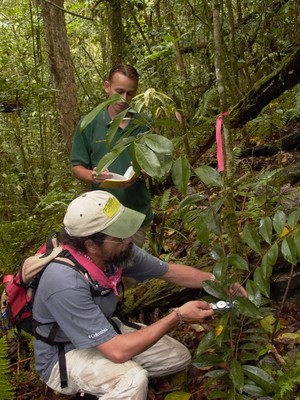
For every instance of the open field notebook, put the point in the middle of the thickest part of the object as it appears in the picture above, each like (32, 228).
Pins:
(117, 178)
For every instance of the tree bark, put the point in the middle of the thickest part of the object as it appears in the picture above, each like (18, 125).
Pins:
(229, 214)
(61, 67)
(116, 31)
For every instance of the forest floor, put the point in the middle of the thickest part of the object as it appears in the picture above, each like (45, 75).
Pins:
(29, 387)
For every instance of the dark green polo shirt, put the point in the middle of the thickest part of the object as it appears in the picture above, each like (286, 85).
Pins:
(90, 146)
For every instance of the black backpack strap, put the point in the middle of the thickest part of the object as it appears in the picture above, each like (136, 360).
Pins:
(62, 365)
(61, 350)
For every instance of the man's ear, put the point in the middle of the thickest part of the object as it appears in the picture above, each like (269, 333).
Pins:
(106, 87)
(90, 246)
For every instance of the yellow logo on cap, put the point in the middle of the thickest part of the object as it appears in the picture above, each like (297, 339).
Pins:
(111, 207)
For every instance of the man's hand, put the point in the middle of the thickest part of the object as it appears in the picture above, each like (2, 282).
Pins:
(236, 289)
(194, 311)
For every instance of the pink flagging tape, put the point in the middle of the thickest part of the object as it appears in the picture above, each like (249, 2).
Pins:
(220, 155)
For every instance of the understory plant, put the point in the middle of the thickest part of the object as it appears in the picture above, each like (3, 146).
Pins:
(234, 349)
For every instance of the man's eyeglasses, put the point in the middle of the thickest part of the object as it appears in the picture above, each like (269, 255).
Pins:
(117, 241)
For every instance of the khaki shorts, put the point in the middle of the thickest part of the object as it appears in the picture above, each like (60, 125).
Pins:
(90, 372)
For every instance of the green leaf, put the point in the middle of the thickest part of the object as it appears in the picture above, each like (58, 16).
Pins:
(109, 158)
(261, 281)
(115, 123)
(221, 269)
(147, 160)
(260, 377)
(251, 237)
(214, 289)
(289, 250)
(209, 176)
(253, 293)
(193, 198)
(254, 390)
(297, 242)
(181, 173)
(205, 343)
(90, 116)
(202, 230)
(158, 143)
(293, 218)
(208, 360)
(246, 307)
(279, 222)
(265, 229)
(237, 375)
(237, 261)
(270, 257)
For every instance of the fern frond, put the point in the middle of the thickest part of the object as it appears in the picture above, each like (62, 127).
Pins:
(7, 391)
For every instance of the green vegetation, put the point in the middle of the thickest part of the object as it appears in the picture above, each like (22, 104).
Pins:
(174, 46)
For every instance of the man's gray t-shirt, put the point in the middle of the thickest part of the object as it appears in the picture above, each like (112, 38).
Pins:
(64, 296)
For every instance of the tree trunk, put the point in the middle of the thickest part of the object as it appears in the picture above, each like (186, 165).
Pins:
(229, 214)
(61, 67)
(116, 31)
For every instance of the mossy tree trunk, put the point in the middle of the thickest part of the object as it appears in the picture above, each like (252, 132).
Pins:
(61, 67)
(229, 214)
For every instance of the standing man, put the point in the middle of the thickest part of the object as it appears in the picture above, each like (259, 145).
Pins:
(90, 146)
(110, 360)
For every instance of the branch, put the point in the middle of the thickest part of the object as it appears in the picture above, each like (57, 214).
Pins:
(67, 12)
(267, 89)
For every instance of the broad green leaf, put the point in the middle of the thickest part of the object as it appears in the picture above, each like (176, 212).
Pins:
(253, 293)
(166, 162)
(178, 396)
(147, 160)
(158, 143)
(253, 390)
(109, 158)
(297, 242)
(115, 123)
(246, 307)
(261, 281)
(251, 237)
(237, 375)
(260, 377)
(202, 230)
(217, 252)
(279, 222)
(293, 218)
(205, 343)
(181, 173)
(214, 289)
(271, 256)
(192, 199)
(211, 220)
(265, 229)
(209, 176)
(221, 269)
(237, 261)
(91, 115)
(289, 250)
(208, 360)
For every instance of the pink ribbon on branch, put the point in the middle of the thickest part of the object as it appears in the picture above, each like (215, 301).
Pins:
(220, 155)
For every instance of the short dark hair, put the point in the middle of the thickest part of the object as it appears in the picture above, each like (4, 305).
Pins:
(79, 242)
(125, 69)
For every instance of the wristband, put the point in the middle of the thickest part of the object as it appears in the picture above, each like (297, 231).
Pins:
(179, 315)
